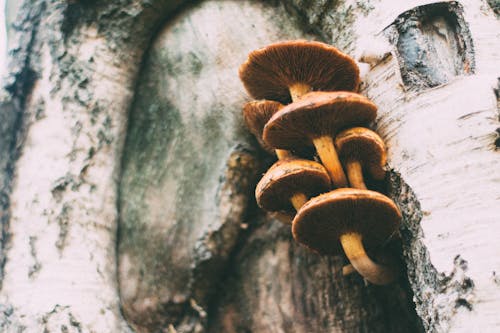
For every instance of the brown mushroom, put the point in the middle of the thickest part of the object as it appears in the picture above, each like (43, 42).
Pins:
(289, 183)
(360, 148)
(314, 119)
(256, 114)
(349, 219)
(287, 70)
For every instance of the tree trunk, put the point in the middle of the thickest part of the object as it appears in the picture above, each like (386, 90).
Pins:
(127, 177)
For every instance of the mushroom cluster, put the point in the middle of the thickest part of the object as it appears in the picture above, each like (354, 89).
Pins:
(305, 97)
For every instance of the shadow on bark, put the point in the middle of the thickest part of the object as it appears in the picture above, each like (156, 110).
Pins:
(272, 284)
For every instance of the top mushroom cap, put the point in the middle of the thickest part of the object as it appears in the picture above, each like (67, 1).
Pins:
(317, 114)
(256, 115)
(323, 219)
(288, 177)
(365, 146)
(270, 71)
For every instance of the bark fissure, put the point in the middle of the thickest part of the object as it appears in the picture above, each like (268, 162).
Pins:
(36, 264)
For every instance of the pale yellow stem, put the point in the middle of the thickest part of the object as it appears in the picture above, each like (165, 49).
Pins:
(297, 90)
(371, 271)
(328, 155)
(355, 174)
(283, 154)
(298, 200)
(348, 270)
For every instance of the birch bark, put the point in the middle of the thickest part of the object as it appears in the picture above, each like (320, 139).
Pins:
(126, 176)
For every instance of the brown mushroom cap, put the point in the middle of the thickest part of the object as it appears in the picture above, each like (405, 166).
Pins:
(256, 114)
(270, 71)
(323, 219)
(365, 146)
(317, 114)
(288, 177)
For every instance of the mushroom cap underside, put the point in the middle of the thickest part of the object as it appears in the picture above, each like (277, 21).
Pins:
(270, 71)
(365, 146)
(256, 114)
(322, 220)
(288, 177)
(317, 114)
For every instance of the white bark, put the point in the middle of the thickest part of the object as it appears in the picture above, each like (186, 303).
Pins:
(74, 91)
(60, 263)
(60, 273)
(441, 141)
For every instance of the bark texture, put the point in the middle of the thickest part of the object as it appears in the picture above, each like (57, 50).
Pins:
(127, 177)
(64, 108)
(188, 168)
(442, 144)
(177, 235)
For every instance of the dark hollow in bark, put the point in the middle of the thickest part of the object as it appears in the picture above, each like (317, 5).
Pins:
(433, 44)
(275, 285)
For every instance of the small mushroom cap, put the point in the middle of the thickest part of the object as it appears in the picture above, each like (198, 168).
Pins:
(365, 146)
(270, 71)
(317, 114)
(288, 177)
(323, 219)
(256, 115)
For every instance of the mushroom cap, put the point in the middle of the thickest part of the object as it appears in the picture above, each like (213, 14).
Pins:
(317, 114)
(270, 71)
(256, 114)
(323, 219)
(365, 146)
(288, 177)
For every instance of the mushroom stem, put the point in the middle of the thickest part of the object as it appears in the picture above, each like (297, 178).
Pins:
(328, 155)
(298, 200)
(355, 174)
(348, 270)
(371, 271)
(283, 154)
(297, 90)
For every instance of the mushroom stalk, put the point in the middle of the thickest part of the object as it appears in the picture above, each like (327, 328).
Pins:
(371, 271)
(283, 154)
(297, 90)
(355, 174)
(348, 270)
(298, 200)
(328, 155)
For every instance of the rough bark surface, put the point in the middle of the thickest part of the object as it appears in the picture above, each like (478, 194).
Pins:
(126, 176)
(64, 110)
(187, 170)
(175, 235)
(442, 146)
